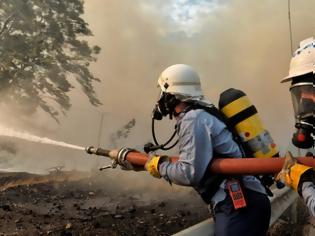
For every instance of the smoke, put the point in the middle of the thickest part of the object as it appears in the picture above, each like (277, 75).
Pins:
(122, 133)
(8, 147)
(7, 151)
(24, 179)
(242, 44)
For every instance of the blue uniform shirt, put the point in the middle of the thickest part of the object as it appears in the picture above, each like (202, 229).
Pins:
(201, 134)
(308, 193)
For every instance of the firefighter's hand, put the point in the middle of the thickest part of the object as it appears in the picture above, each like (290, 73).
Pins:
(126, 165)
(152, 165)
(294, 174)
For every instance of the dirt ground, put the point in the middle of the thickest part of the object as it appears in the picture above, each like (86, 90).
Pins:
(73, 203)
(89, 207)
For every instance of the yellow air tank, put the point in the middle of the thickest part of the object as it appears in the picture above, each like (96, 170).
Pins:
(243, 116)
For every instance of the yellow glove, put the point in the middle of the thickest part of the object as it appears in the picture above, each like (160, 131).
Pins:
(152, 165)
(292, 172)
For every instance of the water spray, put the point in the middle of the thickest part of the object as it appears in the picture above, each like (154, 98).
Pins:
(33, 138)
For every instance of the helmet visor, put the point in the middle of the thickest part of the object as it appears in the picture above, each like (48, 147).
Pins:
(303, 98)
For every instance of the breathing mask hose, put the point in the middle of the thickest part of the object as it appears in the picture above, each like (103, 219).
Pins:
(162, 146)
(170, 147)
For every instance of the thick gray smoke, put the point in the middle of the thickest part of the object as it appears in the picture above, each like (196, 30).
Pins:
(242, 44)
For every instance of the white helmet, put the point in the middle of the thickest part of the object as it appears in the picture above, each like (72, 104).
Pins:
(303, 60)
(180, 80)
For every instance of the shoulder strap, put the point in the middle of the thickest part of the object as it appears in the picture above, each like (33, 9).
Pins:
(210, 184)
(212, 110)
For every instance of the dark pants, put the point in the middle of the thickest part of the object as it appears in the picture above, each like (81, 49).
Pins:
(250, 221)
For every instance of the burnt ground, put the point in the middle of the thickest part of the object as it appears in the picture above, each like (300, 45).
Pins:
(88, 206)
(73, 203)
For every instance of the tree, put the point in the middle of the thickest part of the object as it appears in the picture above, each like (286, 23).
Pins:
(122, 132)
(42, 50)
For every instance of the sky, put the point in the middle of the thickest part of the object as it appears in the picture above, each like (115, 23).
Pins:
(242, 44)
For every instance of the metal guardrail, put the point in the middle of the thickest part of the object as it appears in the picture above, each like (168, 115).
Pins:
(281, 201)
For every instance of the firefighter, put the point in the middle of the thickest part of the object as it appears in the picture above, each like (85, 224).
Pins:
(302, 77)
(240, 205)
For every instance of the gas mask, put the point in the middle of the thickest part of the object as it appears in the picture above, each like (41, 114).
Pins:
(165, 106)
(303, 98)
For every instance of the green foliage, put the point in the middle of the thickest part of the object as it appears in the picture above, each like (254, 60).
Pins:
(42, 50)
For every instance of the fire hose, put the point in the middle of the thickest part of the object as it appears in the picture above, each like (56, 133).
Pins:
(231, 166)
